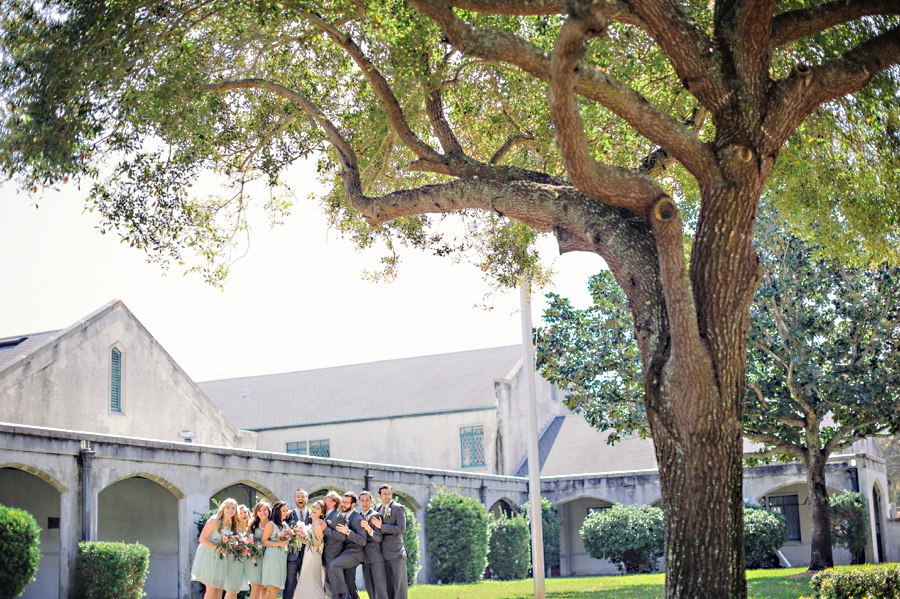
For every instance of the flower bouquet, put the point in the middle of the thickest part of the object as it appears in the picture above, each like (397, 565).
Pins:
(231, 546)
(286, 534)
(299, 535)
(310, 536)
(249, 548)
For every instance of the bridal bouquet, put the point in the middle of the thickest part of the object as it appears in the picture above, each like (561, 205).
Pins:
(298, 533)
(232, 546)
(286, 533)
(250, 548)
(310, 536)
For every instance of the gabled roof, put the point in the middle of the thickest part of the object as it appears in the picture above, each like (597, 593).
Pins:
(461, 381)
(18, 346)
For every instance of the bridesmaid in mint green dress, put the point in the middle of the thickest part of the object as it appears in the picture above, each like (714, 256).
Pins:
(235, 581)
(210, 566)
(274, 568)
(253, 571)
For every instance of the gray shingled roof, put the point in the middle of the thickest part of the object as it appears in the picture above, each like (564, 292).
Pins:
(12, 348)
(390, 388)
(580, 449)
(545, 444)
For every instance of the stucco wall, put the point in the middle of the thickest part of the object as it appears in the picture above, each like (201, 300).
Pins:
(423, 441)
(66, 384)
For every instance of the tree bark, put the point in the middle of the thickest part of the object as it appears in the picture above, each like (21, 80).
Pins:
(820, 556)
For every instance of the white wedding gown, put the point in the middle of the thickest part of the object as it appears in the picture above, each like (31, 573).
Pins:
(312, 575)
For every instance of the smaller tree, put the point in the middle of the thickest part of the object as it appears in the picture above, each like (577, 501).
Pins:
(456, 531)
(764, 533)
(411, 543)
(20, 547)
(629, 536)
(509, 549)
(849, 523)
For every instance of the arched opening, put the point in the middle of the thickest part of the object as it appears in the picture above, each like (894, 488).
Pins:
(140, 510)
(573, 557)
(503, 508)
(247, 493)
(879, 524)
(29, 491)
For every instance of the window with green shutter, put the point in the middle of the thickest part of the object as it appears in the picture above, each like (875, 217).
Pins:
(115, 380)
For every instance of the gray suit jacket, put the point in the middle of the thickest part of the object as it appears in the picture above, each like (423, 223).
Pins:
(392, 529)
(333, 540)
(373, 542)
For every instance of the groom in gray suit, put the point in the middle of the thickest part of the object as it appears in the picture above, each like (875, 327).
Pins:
(300, 515)
(392, 526)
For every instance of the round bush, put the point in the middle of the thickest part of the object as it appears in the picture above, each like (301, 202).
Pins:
(20, 539)
(509, 549)
(111, 570)
(764, 533)
(456, 531)
(411, 542)
(849, 521)
(631, 537)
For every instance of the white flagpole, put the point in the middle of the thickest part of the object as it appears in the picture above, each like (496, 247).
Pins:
(534, 466)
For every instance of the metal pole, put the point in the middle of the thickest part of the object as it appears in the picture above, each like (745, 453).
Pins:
(87, 499)
(534, 466)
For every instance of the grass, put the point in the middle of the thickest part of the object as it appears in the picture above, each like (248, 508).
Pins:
(761, 584)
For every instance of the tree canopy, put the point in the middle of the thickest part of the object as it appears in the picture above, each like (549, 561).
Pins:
(590, 120)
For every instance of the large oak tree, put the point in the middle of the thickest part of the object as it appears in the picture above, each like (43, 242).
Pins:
(823, 361)
(584, 119)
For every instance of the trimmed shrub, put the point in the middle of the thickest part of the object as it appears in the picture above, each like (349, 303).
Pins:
(411, 542)
(20, 539)
(857, 583)
(111, 570)
(509, 548)
(456, 531)
(849, 522)
(629, 536)
(550, 527)
(764, 533)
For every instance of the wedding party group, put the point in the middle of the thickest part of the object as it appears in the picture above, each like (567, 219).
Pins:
(309, 552)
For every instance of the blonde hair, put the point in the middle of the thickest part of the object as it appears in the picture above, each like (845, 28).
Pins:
(220, 512)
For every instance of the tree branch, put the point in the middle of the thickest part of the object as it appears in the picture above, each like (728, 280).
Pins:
(509, 144)
(779, 445)
(690, 51)
(612, 184)
(647, 119)
(743, 28)
(796, 97)
(795, 24)
(379, 86)
(434, 106)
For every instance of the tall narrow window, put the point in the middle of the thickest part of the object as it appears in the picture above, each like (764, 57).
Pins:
(115, 380)
(788, 506)
(471, 444)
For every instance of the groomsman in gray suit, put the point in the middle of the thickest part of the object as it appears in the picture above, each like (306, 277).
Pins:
(333, 540)
(342, 569)
(392, 527)
(300, 515)
(373, 563)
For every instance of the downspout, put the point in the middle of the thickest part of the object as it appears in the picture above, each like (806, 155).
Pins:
(87, 455)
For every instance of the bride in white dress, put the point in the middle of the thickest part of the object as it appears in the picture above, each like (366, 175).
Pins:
(312, 575)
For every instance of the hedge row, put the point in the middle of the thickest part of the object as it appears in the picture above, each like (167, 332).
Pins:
(858, 583)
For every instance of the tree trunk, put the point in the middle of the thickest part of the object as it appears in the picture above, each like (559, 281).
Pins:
(820, 556)
(696, 391)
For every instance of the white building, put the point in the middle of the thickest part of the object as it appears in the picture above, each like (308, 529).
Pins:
(94, 421)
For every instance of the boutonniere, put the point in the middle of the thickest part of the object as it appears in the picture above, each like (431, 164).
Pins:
(387, 511)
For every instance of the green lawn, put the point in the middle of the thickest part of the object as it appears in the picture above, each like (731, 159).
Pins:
(761, 584)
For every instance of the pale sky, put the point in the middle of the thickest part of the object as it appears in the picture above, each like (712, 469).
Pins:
(298, 300)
